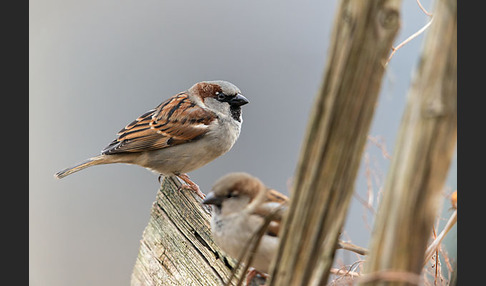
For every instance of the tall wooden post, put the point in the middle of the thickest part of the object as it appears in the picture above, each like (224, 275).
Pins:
(421, 159)
(324, 183)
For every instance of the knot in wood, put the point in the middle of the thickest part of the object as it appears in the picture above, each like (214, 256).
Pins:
(389, 18)
(347, 16)
(435, 107)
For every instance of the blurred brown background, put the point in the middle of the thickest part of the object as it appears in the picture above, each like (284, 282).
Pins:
(97, 65)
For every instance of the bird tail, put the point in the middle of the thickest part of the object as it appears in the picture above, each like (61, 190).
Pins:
(98, 160)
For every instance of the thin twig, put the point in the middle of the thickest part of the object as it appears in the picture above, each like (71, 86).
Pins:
(259, 235)
(438, 272)
(445, 255)
(352, 247)
(364, 203)
(423, 9)
(240, 259)
(341, 272)
(254, 241)
(394, 49)
(435, 244)
(380, 146)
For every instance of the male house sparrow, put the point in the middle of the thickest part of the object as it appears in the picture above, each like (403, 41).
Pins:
(241, 203)
(182, 134)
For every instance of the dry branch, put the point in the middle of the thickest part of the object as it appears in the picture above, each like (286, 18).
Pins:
(437, 241)
(335, 138)
(419, 166)
(351, 247)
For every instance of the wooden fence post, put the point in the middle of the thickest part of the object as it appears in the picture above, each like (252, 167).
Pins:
(176, 247)
(336, 134)
(421, 159)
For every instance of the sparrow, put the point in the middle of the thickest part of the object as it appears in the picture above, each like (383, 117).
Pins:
(182, 134)
(241, 203)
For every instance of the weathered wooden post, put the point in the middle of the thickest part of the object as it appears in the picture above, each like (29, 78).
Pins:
(421, 160)
(176, 247)
(336, 134)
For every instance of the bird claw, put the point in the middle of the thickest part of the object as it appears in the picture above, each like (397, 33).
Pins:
(191, 185)
(252, 273)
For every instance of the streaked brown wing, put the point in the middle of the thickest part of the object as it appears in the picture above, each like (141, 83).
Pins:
(276, 197)
(275, 204)
(173, 122)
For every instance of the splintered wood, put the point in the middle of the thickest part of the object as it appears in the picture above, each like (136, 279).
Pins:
(176, 247)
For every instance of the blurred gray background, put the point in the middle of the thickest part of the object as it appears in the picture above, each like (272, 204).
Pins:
(97, 65)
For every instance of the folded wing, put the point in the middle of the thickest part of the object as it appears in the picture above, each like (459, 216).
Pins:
(173, 122)
(275, 204)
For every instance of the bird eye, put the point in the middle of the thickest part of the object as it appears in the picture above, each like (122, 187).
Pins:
(232, 195)
(221, 96)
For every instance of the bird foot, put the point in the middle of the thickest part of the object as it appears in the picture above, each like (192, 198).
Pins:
(252, 273)
(191, 185)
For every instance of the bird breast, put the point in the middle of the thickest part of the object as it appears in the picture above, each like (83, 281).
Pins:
(186, 157)
(232, 232)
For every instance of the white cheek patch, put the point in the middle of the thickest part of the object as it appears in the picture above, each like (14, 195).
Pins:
(217, 106)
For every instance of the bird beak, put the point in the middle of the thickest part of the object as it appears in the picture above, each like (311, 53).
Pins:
(238, 100)
(211, 199)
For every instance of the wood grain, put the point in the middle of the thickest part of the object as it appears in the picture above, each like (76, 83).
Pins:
(337, 131)
(423, 153)
(176, 247)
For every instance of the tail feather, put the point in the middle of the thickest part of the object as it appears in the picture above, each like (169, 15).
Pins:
(98, 160)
